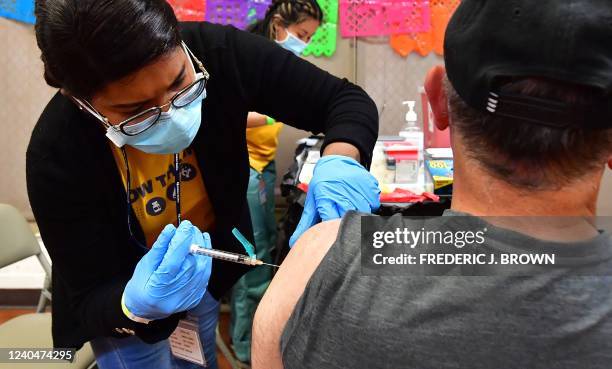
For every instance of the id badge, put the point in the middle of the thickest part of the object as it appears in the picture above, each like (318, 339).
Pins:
(263, 196)
(185, 342)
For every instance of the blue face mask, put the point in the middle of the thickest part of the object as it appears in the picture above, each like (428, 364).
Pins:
(293, 43)
(173, 133)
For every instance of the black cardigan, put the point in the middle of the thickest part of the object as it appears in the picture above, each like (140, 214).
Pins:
(78, 198)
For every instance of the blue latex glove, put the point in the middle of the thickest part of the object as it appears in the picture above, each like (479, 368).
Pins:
(168, 279)
(339, 184)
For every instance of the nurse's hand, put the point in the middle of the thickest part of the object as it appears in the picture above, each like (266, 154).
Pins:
(168, 279)
(339, 184)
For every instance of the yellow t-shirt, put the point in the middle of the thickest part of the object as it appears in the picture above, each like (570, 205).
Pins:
(262, 143)
(152, 190)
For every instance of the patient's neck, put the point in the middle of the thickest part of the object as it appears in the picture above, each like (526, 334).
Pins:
(478, 193)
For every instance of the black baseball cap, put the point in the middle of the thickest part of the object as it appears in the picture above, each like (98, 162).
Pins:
(489, 41)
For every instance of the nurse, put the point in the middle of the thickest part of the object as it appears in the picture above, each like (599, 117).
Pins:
(291, 24)
(142, 153)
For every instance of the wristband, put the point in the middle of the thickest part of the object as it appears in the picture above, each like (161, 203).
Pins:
(270, 121)
(131, 316)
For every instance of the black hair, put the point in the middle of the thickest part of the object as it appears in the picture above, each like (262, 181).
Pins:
(87, 44)
(526, 155)
(290, 12)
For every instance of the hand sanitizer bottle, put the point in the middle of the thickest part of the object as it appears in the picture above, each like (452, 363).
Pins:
(413, 136)
(411, 131)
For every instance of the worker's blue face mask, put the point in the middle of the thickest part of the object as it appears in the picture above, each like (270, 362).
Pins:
(293, 43)
(173, 133)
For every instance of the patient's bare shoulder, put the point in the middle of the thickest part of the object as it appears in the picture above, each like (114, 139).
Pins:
(285, 290)
(310, 249)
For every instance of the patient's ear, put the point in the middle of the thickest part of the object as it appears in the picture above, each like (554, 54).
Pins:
(436, 93)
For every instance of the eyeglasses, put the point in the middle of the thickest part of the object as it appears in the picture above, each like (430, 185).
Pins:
(141, 122)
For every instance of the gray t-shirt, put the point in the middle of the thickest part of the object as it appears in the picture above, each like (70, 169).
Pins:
(553, 320)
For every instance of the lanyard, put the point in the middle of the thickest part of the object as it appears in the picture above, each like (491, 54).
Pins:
(177, 188)
(177, 194)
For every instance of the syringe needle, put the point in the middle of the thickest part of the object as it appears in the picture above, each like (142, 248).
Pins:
(272, 265)
(259, 262)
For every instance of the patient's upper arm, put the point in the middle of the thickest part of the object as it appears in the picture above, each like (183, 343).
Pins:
(284, 292)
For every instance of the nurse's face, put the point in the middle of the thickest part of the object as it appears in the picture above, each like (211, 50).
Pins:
(152, 85)
(303, 30)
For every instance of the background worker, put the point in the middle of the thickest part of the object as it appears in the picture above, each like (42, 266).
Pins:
(291, 23)
(149, 127)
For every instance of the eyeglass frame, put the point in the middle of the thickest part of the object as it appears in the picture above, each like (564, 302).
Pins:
(119, 127)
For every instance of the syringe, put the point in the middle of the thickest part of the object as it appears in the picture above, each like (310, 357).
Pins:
(228, 256)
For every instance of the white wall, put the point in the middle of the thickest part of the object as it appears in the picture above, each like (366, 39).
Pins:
(23, 95)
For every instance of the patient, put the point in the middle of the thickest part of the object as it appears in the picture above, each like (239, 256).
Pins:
(526, 94)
